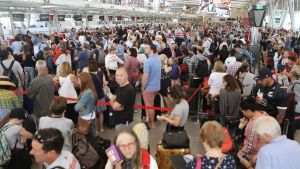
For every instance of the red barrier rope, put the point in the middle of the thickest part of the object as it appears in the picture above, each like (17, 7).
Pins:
(195, 92)
(135, 106)
(106, 103)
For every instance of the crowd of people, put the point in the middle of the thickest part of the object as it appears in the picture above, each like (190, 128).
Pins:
(71, 79)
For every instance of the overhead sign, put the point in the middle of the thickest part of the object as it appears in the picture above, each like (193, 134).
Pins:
(44, 17)
(18, 17)
(90, 17)
(101, 18)
(61, 17)
(77, 17)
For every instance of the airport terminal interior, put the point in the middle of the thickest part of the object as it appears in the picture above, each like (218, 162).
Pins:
(149, 84)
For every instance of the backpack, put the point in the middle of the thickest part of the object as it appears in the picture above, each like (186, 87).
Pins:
(100, 145)
(291, 103)
(5, 152)
(202, 69)
(84, 152)
(175, 71)
(184, 68)
(145, 159)
(9, 73)
(212, 47)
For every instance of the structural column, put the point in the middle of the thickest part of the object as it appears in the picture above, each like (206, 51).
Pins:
(291, 11)
(13, 30)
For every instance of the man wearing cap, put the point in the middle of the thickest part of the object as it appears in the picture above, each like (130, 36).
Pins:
(271, 95)
(41, 91)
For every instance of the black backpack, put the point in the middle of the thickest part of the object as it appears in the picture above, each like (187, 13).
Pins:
(202, 68)
(212, 47)
(100, 145)
(9, 73)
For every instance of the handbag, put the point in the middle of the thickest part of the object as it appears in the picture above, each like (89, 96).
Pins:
(175, 137)
(83, 126)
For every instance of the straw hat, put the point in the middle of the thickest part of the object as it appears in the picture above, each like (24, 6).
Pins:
(4, 81)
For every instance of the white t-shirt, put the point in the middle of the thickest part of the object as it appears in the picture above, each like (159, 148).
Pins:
(64, 125)
(66, 160)
(111, 61)
(230, 61)
(215, 82)
(206, 46)
(67, 88)
(11, 133)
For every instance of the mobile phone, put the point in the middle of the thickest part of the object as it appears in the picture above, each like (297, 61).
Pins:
(114, 154)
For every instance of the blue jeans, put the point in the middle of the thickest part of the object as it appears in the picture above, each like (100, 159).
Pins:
(29, 75)
(92, 133)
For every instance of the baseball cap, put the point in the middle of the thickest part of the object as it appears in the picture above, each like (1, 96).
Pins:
(264, 73)
(19, 113)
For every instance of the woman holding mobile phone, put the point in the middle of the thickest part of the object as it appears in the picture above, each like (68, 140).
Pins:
(133, 157)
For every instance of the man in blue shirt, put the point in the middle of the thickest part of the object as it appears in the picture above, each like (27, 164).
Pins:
(279, 152)
(151, 81)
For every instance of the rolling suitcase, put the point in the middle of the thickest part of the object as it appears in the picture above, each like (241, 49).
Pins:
(163, 156)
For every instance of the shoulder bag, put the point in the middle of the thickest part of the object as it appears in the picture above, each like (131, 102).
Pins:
(83, 126)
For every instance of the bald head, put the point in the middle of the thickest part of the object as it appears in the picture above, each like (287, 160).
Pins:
(121, 76)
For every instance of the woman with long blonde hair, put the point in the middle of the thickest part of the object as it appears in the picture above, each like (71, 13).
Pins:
(68, 82)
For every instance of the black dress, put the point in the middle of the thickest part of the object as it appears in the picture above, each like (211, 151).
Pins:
(165, 82)
(212, 162)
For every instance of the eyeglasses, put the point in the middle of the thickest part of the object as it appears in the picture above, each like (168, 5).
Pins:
(127, 146)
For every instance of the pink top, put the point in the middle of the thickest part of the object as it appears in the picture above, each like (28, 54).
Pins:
(132, 67)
